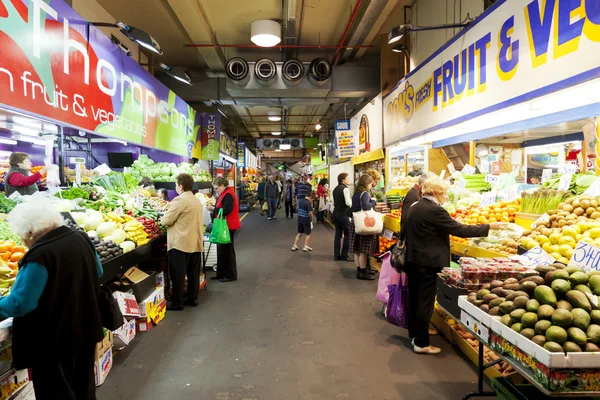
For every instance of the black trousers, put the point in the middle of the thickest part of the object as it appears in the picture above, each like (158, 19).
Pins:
(226, 262)
(289, 208)
(69, 376)
(421, 300)
(183, 264)
(342, 224)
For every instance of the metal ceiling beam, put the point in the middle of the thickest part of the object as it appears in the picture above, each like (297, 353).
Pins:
(375, 16)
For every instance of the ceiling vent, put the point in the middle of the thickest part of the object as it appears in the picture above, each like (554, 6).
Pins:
(265, 71)
(319, 71)
(238, 71)
(273, 144)
(292, 72)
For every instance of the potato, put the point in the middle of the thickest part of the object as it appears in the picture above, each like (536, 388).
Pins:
(578, 211)
(590, 210)
(568, 208)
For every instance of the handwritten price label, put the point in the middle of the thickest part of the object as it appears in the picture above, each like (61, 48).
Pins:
(546, 174)
(388, 234)
(586, 257)
(594, 189)
(537, 256)
(488, 199)
(568, 169)
(511, 194)
(468, 170)
(492, 178)
(565, 182)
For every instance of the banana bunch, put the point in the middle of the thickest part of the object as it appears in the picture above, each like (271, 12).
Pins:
(135, 232)
(7, 277)
(118, 219)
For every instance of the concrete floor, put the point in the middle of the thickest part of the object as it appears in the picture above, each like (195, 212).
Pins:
(294, 326)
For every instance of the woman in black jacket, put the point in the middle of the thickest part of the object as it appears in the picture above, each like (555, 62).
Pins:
(427, 234)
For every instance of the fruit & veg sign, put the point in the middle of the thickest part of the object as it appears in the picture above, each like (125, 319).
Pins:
(515, 51)
(55, 65)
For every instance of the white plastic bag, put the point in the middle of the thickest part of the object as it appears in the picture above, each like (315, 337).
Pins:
(52, 177)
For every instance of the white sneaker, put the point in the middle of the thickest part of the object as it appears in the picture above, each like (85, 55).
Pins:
(269, 218)
(306, 248)
(426, 350)
(294, 248)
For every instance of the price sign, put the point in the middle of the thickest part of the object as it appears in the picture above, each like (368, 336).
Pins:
(139, 202)
(543, 219)
(537, 256)
(511, 194)
(388, 234)
(586, 257)
(468, 170)
(594, 189)
(546, 174)
(492, 178)
(568, 169)
(443, 174)
(118, 211)
(565, 182)
(461, 183)
(516, 168)
(488, 199)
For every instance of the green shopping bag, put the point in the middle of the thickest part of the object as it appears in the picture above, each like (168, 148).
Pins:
(220, 230)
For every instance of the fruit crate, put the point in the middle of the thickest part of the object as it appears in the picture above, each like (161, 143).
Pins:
(443, 326)
(393, 224)
(507, 390)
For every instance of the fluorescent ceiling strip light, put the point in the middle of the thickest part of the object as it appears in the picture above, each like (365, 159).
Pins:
(32, 123)
(11, 142)
(230, 159)
(38, 142)
(4, 153)
(119, 141)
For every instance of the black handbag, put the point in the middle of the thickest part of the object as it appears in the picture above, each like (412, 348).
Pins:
(110, 313)
(398, 258)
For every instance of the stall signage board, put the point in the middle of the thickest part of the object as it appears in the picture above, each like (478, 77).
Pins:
(241, 155)
(209, 143)
(228, 146)
(546, 174)
(490, 66)
(586, 257)
(345, 139)
(99, 90)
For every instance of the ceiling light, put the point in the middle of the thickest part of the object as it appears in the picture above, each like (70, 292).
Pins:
(276, 133)
(318, 126)
(265, 33)
(285, 146)
(39, 142)
(273, 116)
(399, 48)
(177, 73)
(26, 131)
(395, 35)
(119, 141)
(8, 141)
(140, 37)
(277, 149)
(29, 122)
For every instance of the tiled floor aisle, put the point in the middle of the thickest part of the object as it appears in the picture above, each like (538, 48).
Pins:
(295, 326)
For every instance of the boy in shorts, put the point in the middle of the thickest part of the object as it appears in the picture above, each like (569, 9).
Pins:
(304, 221)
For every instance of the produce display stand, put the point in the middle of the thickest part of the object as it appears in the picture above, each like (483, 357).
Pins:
(118, 265)
(173, 185)
(464, 250)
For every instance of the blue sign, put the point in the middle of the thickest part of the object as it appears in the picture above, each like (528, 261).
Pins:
(342, 125)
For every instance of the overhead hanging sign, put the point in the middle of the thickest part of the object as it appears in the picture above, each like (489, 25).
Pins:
(241, 155)
(210, 137)
(515, 51)
(228, 145)
(345, 139)
(55, 65)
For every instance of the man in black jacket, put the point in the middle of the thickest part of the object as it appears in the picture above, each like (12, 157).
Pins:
(413, 195)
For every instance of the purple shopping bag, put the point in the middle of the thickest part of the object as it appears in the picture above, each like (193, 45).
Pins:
(397, 307)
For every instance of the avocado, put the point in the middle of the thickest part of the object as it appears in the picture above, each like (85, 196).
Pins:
(505, 307)
(560, 274)
(584, 289)
(556, 334)
(496, 284)
(560, 287)
(544, 269)
(528, 333)
(545, 295)
(576, 335)
(500, 292)
(558, 265)
(514, 295)
(527, 287)
(542, 326)
(570, 347)
(553, 347)
(478, 303)
(562, 318)
(578, 300)
(516, 315)
(593, 334)
(495, 311)
(532, 305)
(481, 293)
(579, 278)
(595, 317)
(497, 301)
(471, 298)
(506, 320)
(594, 284)
(592, 348)
(538, 280)
(565, 305)
(540, 340)
(511, 286)
(529, 320)
(517, 327)
(548, 278)
(511, 280)
(572, 270)
(485, 308)
(545, 312)
(489, 297)
(519, 302)
(581, 318)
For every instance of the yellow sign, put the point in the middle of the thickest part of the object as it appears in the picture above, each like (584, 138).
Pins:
(367, 157)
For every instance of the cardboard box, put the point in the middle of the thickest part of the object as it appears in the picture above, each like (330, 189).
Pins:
(156, 315)
(127, 304)
(151, 302)
(12, 381)
(26, 393)
(137, 282)
(104, 359)
(160, 279)
(125, 334)
(5, 357)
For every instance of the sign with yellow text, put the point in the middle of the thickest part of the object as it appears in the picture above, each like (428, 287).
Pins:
(515, 51)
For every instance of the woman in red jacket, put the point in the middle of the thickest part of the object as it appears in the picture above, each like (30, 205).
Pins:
(322, 190)
(19, 178)
(226, 262)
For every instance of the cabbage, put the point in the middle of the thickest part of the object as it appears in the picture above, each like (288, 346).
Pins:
(106, 228)
(92, 221)
(127, 246)
(79, 217)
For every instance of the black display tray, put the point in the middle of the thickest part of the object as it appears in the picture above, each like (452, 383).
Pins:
(447, 297)
(171, 185)
(118, 265)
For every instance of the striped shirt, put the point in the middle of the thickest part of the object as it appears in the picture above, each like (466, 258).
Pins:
(302, 190)
(304, 209)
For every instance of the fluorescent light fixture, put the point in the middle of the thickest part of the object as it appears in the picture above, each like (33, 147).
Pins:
(276, 133)
(318, 126)
(140, 37)
(32, 140)
(222, 113)
(273, 116)
(265, 33)
(285, 146)
(119, 141)
(26, 131)
(395, 34)
(399, 48)
(31, 123)
(177, 74)
(8, 141)
(49, 128)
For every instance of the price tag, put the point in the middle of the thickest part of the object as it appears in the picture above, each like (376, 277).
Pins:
(388, 234)
(565, 182)
(586, 256)
(537, 256)
(488, 199)
(516, 168)
(118, 211)
(492, 178)
(568, 169)
(546, 174)
(543, 219)
(451, 168)
(594, 189)
(511, 194)
(443, 174)
(468, 170)
(461, 183)
(139, 202)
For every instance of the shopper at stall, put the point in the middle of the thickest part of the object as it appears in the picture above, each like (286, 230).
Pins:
(185, 242)
(303, 188)
(415, 171)
(228, 202)
(54, 302)
(342, 201)
(363, 246)
(260, 191)
(426, 234)
(413, 195)
(376, 175)
(279, 181)
(19, 177)
(305, 217)
(288, 197)
(272, 195)
(163, 194)
(322, 194)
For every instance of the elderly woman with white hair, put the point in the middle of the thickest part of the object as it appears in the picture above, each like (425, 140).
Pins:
(54, 302)
(426, 233)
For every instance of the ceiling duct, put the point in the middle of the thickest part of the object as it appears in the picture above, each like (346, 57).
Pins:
(319, 71)
(272, 144)
(238, 71)
(292, 72)
(265, 71)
